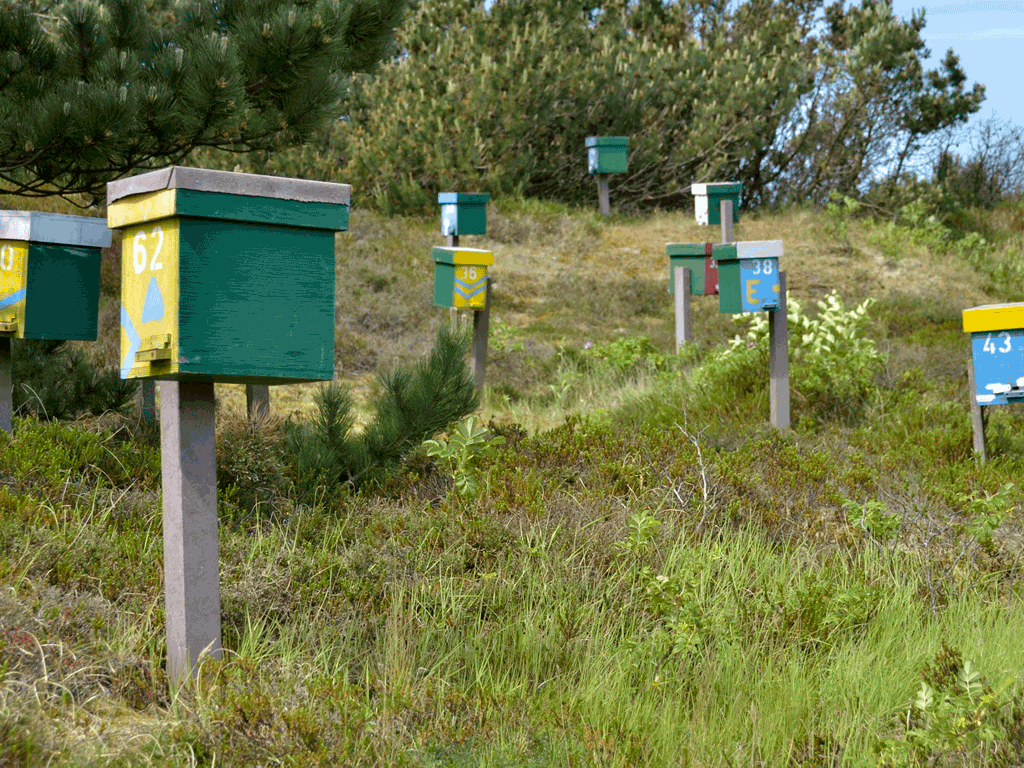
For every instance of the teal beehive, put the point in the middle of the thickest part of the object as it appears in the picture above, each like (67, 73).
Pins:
(50, 275)
(463, 213)
(606, 154)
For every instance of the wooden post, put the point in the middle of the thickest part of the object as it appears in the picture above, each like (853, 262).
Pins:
(481, 323)
(684, 314)
(602, 194)
(778, 360)
(257, 401)
(191, 565)
(147, 399)
(977, 416)
(6, 385)
(725, 213)
(452, 241)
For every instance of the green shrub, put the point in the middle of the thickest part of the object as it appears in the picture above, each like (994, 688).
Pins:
(54, 381)
(833, 364)
(416, 402)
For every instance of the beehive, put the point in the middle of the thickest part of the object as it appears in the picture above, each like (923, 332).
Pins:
(460, 277)
(748, 275)
(50, 275)
(708, 200)
(607, 154)
(227, 277)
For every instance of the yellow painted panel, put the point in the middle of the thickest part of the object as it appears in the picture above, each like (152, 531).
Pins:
(472, 256)
(13, 284)
(470, 291)
(149, 299)
(993, 317)
(138, 209)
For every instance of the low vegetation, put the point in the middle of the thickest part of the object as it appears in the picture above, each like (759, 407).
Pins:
(612, 561)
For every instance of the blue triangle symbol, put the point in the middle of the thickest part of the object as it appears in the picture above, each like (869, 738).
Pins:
(153, 309)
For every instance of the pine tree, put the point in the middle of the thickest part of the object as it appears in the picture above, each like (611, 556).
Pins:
(94, 90)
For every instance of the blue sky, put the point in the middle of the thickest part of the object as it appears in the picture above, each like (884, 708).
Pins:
(988, 36)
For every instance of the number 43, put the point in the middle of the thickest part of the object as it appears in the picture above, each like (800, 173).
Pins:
(991, 348)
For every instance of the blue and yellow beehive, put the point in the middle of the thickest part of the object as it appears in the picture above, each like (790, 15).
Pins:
(227, 277)
(708, 200)
(748, 275)
(50, 275)
(997, 349)
(607, 154)
(460, 277)
(463, 213)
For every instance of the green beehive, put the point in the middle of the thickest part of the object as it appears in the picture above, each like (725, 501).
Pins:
(463, 213)
(748, 275)
(460, 277)
(606, 154)
(698, 259)
(227, 277)
(708, 200)
(50, 275)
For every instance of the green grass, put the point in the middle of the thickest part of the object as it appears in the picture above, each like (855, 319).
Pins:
(648, 574)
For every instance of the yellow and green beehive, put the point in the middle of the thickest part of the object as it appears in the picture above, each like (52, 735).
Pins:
(50, 275)
(227, 277)
(460, 277)
(997, 349)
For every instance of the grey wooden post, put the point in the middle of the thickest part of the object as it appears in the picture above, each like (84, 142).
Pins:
(481, 324)
(977, 416)
(6, 385)
(684, 314)
(452, 241)
(257, 401)
(602, 194)
(725, 214)
(778, 360)
(191, 562)
(147, 399)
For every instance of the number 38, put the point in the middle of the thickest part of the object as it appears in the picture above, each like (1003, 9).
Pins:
(763, 266)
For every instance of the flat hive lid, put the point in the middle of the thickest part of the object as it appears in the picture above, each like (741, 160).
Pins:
(469, 256)
(56, 228)
(748, 249)
(717, 188)
(449, 198)
(231, 183)
(688, 249)
(607, 141)
(994, 317)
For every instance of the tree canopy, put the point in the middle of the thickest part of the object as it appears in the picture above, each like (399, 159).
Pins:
(94, 90)
(794, 98)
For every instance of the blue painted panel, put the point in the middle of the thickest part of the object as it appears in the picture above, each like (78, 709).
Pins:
(998, 366)
(759, 284)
